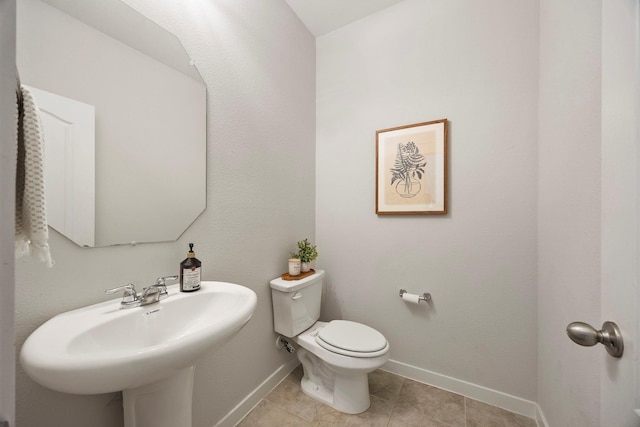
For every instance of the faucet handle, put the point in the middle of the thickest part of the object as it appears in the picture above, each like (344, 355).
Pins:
(157, 291)
(130, 294)
(160, 281)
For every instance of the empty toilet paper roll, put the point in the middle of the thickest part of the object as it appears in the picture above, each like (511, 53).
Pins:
(412, 298)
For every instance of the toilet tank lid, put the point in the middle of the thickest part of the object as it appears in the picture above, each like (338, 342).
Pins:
(295, 285)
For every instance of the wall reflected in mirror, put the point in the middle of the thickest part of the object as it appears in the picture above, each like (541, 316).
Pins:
(150, 119)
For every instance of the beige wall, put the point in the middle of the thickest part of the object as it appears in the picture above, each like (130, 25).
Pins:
(588, 208)
(258, 62)
(476, 64)
(569, 202)
(7, 194)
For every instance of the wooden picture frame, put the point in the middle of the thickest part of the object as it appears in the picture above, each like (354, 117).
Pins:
(411, 169)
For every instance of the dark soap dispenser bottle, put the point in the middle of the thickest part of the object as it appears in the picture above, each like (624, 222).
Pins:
(190, 270)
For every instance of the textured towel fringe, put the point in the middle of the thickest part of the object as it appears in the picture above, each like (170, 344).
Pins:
(22, 247)
(40, 252)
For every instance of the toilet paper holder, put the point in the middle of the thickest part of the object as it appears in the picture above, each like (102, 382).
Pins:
(424, 297)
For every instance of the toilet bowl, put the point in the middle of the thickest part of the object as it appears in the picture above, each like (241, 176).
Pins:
(336, 356)
(337, 376)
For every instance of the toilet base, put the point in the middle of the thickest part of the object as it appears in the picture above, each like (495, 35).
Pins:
(343, 401)
(344, 392)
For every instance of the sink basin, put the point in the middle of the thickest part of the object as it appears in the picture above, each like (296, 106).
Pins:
(102, 348)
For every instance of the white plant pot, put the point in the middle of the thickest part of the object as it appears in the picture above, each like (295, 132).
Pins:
(305, 266)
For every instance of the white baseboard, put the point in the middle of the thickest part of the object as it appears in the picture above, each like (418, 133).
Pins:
(259, 393)
(473, 391)
(540, 419)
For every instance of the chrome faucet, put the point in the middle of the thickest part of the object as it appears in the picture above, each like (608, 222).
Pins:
(157, 291)
(130, 297)
(150, 295)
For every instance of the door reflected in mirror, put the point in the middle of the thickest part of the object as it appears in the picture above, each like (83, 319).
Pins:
(150, 116)
(70, 173)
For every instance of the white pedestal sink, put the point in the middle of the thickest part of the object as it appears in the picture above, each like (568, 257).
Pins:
(147, 352)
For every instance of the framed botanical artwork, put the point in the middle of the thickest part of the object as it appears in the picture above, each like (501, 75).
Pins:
(411, 169)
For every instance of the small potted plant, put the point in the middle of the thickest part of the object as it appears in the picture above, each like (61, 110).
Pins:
(306, 253)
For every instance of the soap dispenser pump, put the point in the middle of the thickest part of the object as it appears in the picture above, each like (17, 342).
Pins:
(190, 272)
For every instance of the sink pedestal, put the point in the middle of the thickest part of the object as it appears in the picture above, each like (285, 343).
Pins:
(164, 403)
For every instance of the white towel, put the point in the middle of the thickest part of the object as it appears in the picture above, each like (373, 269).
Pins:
(32, 230)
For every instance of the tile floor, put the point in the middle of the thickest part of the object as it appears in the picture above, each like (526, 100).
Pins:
(395, 402)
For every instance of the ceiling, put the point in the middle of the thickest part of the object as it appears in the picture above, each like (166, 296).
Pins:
(323, 16)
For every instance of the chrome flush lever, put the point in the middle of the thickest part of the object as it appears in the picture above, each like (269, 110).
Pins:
(609, 336)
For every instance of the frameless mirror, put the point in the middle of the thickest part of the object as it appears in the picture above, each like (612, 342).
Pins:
(149, 106)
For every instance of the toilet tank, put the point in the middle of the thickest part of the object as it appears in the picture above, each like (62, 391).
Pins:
(296, 303)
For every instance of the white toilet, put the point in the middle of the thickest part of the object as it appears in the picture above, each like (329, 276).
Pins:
(337, 355)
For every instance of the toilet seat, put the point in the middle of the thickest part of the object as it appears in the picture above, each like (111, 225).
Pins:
(352, 339)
